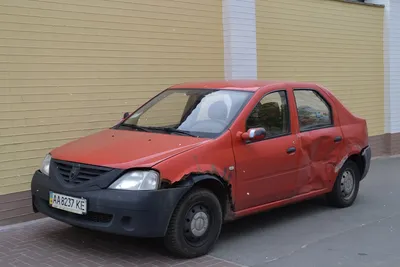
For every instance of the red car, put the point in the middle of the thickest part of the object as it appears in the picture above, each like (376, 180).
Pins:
(200, 154)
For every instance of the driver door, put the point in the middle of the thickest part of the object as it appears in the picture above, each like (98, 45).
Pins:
(267, 169)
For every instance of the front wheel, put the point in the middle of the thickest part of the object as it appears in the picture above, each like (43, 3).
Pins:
(345, 189)
(195, 225)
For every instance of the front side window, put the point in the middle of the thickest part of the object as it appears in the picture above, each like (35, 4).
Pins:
(272, 114)
(313, 111)
(198, 112)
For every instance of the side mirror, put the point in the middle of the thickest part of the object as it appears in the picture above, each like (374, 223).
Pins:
(126, 115)
(254, 134)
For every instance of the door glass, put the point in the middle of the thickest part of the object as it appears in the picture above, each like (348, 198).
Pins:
(272, 114)
(313, 111)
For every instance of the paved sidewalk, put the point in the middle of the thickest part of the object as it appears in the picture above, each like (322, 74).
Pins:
(304, 235)
(48, 242)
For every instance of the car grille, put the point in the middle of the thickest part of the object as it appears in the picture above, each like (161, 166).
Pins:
(75, 173)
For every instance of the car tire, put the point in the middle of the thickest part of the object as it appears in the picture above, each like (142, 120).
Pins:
(195, 224)
(346, 187)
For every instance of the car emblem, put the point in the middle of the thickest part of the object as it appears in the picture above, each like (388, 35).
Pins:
(74, 172)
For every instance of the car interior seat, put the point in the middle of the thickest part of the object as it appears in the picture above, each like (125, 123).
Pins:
(218, 111)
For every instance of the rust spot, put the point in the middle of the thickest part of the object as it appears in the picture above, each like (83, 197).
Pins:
(197, 163)
(230, 176)
(214, 170)
(225, 172)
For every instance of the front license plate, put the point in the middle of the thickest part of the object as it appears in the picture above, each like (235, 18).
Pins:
(67, 203)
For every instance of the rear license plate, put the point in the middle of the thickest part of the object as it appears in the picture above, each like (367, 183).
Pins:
(67, 203)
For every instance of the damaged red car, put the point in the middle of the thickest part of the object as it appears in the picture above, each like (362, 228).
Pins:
(200, 154)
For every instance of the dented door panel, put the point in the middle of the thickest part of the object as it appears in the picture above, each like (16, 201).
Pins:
(322, 148)
(321, 152)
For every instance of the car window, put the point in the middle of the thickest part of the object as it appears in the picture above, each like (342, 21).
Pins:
(312, 109)
(167, 111)
(200, 112)
(212, 113)
(272, 114)
(204, 106)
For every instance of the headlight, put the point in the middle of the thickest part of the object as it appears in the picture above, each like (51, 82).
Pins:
(45, 168)
(137, 180)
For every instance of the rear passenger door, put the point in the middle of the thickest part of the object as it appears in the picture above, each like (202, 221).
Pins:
(320, 139)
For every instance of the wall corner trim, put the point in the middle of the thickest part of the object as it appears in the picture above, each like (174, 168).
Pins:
(239, 24)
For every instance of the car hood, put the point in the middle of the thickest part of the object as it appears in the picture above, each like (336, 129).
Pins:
(125, 149)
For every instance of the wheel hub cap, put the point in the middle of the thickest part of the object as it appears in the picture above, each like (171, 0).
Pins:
(199, 224)
(347, 184)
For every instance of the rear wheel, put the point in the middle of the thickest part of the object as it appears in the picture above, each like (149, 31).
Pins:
(195, 225)
(345, 189)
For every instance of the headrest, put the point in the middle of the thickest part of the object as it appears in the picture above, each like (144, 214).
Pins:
(218, 111)
(271, 109)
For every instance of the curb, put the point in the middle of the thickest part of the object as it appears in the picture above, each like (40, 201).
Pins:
(386, 157)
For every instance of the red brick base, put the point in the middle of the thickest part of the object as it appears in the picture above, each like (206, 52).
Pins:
(385, 144)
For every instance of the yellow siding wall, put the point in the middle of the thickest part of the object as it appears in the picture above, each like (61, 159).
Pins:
(71, 67)
(333, 43)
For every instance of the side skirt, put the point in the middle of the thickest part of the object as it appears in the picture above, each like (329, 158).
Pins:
(280, 203)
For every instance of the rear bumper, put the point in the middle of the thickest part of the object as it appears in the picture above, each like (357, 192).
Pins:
(366, 155)
(133, 213)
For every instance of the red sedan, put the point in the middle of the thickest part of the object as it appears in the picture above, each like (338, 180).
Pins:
(199, 154)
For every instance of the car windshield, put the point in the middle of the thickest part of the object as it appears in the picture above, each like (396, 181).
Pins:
(196, 112)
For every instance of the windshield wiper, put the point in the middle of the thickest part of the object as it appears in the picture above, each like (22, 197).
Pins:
(172, 130)
(135, 127)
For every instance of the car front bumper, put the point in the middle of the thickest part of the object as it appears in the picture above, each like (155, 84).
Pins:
(132, 213)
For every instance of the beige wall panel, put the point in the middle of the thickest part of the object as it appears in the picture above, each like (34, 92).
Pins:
(337, 44)
(69, 68)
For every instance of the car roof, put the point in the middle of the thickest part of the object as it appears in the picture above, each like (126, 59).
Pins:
(244, 85)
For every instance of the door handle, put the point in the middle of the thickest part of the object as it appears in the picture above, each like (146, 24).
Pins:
(291, 150)
(337, 139)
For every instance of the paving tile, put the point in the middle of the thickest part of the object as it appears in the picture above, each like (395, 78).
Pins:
(48, 243)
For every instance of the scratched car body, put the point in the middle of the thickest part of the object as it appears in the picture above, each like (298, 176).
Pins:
(200, 154)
